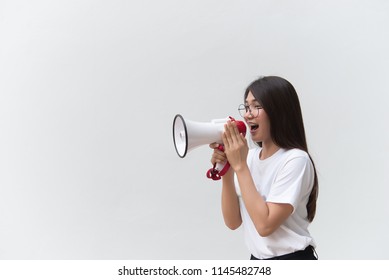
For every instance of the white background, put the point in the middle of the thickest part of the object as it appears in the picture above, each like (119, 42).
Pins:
(89, 90)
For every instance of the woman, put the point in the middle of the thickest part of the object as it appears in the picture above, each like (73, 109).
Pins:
(274, 190)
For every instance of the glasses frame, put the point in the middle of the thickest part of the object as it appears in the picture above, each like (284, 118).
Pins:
(243, 109)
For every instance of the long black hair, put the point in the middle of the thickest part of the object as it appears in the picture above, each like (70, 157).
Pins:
(279, 99)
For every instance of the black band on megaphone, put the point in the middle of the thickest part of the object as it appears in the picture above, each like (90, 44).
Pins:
(179, 118)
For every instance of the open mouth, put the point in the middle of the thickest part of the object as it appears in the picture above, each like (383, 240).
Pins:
(253, 127)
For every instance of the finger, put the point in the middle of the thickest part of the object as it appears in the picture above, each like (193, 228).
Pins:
(214, 145)
(218, 156)
(233, 132)
(243, 139)
(236, 130)
(226, 136)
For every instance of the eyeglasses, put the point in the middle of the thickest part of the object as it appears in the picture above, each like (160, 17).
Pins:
(253, 109)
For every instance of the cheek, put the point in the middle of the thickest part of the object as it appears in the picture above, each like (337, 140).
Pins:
(265, 122)
(266, 128)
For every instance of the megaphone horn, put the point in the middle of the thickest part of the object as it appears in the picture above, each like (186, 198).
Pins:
(188, 135)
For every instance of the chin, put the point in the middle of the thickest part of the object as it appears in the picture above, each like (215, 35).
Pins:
(256, 140)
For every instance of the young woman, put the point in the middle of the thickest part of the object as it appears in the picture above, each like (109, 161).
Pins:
(272, 189)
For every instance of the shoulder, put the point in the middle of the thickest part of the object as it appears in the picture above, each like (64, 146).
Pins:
(298, 161)
(294, 153)
(296, 156)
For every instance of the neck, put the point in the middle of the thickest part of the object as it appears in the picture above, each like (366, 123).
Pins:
(268, 149)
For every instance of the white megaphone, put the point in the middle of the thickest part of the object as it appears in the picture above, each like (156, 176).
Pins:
(188, 135)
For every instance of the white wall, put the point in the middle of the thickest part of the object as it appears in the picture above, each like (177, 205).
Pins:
(88, 92)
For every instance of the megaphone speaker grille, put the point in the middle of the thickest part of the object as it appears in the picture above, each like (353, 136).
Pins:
(180, 135)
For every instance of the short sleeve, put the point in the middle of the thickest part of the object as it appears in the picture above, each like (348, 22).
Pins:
(293, 181)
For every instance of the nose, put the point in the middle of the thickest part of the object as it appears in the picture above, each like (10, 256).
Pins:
(249, 113)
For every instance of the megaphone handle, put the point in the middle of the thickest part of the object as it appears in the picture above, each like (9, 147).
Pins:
(214, 172)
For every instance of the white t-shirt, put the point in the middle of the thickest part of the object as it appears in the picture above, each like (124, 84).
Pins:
(285, 177)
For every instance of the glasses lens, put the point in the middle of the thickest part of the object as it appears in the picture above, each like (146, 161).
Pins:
(242, 110)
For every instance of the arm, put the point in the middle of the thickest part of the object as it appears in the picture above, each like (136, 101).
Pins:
(229, 198)
(267, 217)
(230, 202)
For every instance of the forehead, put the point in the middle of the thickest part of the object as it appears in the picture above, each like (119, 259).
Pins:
(250, 98)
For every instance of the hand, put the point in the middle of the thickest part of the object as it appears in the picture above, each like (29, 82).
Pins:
(218, 156)
(235, 146)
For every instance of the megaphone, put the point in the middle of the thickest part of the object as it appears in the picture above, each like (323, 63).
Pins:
(188, 135)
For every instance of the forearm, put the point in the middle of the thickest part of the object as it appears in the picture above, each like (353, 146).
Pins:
(230, 202)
